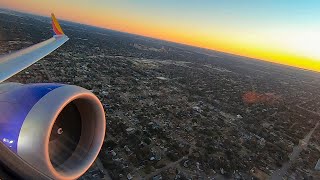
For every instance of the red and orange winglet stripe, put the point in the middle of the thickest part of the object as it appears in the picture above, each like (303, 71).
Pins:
(56, 26)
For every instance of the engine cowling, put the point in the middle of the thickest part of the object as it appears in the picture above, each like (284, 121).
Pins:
(58, 129)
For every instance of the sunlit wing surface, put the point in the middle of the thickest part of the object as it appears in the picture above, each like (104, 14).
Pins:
(15, 62)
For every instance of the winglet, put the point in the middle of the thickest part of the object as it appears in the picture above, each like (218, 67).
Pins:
(56, 26)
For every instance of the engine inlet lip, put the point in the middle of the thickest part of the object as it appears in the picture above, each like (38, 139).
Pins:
(78, 96)
(67, 94)
(62, 174)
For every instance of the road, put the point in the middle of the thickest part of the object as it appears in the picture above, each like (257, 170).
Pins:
(172, 164)
(105, 172)
(280, 173)
(46, 71)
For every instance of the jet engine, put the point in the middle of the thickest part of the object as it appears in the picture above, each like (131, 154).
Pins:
(58, 129)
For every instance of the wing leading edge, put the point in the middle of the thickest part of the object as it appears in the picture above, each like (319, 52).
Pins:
(13, 63)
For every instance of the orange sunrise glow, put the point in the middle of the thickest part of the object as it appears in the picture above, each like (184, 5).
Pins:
(269, 36)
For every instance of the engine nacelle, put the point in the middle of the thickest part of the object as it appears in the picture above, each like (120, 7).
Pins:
(58, 129)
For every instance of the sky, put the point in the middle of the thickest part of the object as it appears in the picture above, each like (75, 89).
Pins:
(285, 32)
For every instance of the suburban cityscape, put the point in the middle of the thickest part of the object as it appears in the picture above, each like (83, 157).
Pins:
(179, 112)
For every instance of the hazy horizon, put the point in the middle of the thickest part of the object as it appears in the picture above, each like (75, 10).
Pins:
(285, 35)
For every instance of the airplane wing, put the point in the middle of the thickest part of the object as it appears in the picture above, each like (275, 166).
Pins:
(47, 130)
(13, 63)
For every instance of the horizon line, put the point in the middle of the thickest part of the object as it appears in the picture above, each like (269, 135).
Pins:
(165, 40)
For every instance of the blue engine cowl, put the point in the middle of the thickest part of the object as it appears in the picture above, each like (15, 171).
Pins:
(16, 101)
(29, 115)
